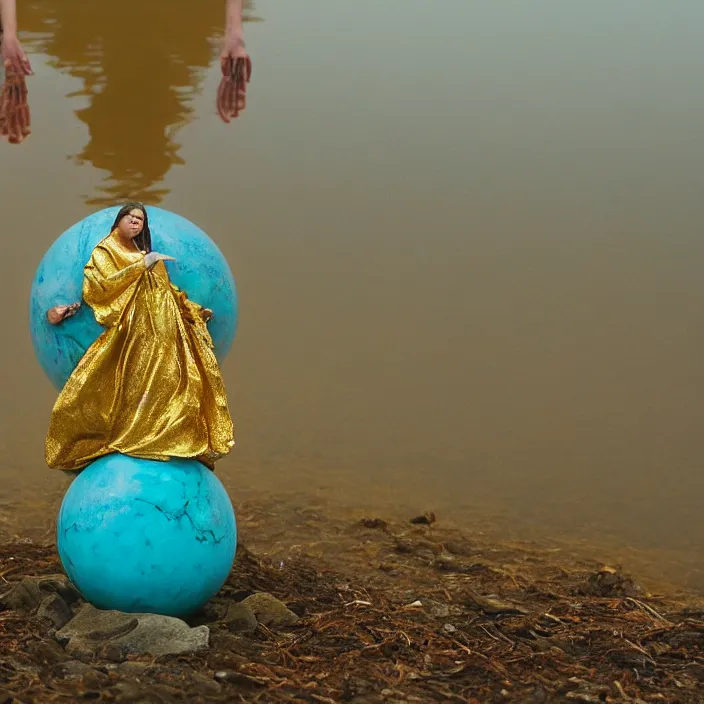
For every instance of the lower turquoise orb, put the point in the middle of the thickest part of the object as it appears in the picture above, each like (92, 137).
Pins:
(145, 536)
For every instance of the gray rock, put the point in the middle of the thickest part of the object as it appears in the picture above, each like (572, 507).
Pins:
(120, 633)
(240, 618)
(55, 610)
(58, 584)
(269, 610)
(28, 594)
(164, 635)
(95, 627)
(24, 596)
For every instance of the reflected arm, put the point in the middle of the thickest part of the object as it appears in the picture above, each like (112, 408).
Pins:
(235, 64)
(233, 19)
(8, 18)
(13, 56)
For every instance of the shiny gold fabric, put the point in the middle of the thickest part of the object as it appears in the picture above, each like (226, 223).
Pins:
(150, 385)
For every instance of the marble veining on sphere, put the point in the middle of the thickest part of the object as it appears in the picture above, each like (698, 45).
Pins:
(145, 536)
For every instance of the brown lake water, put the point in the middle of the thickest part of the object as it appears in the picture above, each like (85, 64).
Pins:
(467, 239)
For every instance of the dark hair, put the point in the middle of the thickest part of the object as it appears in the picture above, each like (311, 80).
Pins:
(144, 239)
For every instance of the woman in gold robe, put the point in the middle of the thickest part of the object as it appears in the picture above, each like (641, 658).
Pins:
(150, 385)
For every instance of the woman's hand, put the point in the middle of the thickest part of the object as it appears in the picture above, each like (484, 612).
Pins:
(58, 314)
(236, 67)
(153, 258)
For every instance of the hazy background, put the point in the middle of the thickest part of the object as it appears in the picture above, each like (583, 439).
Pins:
(467, 239)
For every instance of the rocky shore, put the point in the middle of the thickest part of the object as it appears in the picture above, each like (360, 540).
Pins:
(416, 613)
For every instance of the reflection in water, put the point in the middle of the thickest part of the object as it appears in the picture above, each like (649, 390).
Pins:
(139, 75)
(480, 299)
(15, 119)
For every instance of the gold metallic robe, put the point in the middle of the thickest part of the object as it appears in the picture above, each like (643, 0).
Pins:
(150, 385)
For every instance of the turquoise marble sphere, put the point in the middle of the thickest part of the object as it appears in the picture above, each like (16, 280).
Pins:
(200, 270)
(144, 536)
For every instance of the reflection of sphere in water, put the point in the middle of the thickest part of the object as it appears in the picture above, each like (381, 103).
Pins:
(144, 536)
(200, 270)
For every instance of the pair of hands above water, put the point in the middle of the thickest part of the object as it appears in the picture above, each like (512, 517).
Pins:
(15, 118)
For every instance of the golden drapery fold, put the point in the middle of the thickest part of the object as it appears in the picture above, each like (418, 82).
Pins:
(150, 385)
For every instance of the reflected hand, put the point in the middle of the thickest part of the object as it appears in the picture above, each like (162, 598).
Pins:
(14, 109)
(206, 314)
(58, 314)
(153, 258)
(236, 67)
(14, 58)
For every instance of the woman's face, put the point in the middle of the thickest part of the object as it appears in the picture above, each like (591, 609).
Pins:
(131, 224)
